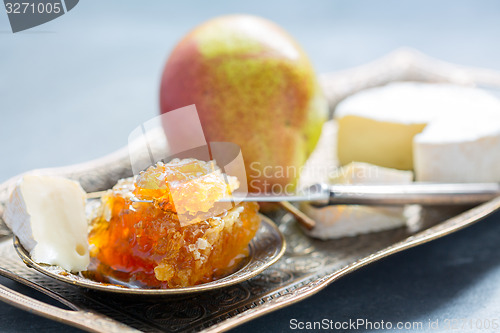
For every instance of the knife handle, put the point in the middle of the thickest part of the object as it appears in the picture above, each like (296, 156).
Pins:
(429, 194)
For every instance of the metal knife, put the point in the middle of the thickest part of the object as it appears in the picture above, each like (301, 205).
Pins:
(415, 193)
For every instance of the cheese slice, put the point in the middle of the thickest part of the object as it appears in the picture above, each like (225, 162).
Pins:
(365, 173)
(349, 220)
(47, 214)
(379, 125)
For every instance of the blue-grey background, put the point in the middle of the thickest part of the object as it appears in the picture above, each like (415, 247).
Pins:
(72, 90)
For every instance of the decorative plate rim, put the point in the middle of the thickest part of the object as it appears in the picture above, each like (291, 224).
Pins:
(257, 266)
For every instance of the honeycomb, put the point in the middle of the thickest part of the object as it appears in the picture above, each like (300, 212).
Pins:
(146, 244)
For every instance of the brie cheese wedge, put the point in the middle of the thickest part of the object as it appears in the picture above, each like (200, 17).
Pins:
(382, 126)
(47, 214)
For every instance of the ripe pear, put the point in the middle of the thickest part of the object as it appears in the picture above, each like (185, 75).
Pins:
(254, 86)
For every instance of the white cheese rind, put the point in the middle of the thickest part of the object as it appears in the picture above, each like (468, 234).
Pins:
(416, 102)
(47, 214)
(465, 150)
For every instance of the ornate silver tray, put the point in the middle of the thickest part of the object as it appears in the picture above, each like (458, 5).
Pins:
(307, 266)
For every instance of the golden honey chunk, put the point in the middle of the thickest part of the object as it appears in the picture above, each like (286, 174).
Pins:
(185, 187)
(146, 245)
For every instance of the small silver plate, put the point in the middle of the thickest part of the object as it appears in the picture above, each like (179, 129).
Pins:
(265, 249)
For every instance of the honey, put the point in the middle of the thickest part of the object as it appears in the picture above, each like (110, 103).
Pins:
(147, 245)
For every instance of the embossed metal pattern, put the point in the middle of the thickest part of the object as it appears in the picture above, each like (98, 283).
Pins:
(307, 266)
(266, 248)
